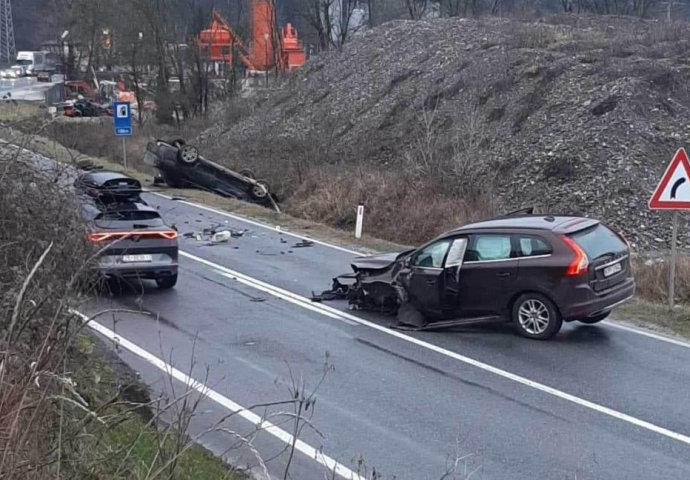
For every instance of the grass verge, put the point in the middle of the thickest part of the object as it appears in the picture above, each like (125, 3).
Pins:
(657, 316)
(128, 446)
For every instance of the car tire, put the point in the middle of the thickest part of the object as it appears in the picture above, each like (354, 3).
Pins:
(187, 154)
(167, 282)
(247, 173)
(593, 320)
(535, 316)
(259, 190)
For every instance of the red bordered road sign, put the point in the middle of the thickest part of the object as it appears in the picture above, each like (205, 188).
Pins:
(673, 191)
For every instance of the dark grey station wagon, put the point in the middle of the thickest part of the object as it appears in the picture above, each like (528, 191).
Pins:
(534, 270)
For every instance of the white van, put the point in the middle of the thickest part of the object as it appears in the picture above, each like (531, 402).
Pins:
(34, 62)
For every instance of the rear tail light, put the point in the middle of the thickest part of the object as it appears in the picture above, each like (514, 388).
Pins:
(580, 263)
(97, 237)
(170, 235)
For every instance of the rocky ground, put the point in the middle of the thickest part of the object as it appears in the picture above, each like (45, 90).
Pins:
(571, 114)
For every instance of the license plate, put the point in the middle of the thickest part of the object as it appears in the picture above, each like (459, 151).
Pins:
(136, 258)
(613, 269)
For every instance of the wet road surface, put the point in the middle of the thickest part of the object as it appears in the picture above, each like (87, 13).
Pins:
(597, 402)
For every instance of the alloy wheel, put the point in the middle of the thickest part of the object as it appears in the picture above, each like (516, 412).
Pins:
(534, 316)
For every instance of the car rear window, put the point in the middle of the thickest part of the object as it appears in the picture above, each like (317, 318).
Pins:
(598, 241)
(533, 247)
(149, 218)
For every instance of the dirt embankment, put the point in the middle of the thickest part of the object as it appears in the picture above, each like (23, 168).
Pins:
(430, 123)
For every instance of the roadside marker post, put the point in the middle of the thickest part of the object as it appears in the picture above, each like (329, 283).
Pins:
(359, 222)
(122, 125)
(673, 193)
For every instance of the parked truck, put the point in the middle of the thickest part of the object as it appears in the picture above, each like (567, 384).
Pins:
(33, 63)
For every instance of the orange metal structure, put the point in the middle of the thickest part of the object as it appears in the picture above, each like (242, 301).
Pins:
(293, 54)
(268, 50)
(218, 41)
(263, 35)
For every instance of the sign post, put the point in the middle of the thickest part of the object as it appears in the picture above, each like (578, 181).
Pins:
(122, 124)
(673, 193)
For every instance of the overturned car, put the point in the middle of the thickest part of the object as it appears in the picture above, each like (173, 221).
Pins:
(536, 271)
(181, 166)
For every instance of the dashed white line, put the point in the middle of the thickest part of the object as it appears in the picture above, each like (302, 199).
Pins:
(335, 313)
(263, 425)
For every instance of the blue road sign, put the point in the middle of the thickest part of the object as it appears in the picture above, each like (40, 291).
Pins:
(122, 119)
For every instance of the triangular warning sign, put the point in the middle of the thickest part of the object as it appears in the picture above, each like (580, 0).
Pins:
(673, 191)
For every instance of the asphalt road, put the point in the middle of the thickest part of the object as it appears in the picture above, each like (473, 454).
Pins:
(597, 402)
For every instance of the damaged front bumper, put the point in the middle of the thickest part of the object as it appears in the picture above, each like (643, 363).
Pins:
(372, 296)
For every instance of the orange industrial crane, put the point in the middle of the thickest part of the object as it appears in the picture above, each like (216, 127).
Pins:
(219, 40)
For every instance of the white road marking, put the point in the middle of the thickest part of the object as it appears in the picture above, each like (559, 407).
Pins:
(335, 313)
(258, 224)
(646, 333)
(263, 425)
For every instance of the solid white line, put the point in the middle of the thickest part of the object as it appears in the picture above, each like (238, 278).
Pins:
(258, 224)
(331, 312)
(645, 333)
(248, 415)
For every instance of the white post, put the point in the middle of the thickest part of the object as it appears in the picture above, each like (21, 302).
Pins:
(360, 219)
(124, 151)
(672, 266)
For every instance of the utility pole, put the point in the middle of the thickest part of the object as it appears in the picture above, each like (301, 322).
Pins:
(8, 49)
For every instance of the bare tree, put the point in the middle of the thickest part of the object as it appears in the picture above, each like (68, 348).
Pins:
(459, 8)
(331, 20)
(416, 8)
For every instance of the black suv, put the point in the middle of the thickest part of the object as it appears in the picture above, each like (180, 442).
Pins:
(536, 271)
(133, 239)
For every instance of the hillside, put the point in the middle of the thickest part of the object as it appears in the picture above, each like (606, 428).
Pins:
(571, 114)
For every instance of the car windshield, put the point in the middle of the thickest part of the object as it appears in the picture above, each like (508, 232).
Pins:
(598, 241)
(24, 62)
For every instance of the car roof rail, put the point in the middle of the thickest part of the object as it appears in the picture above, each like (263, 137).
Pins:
(520, 212)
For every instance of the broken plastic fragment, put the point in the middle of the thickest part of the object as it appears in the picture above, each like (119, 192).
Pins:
(303, 243)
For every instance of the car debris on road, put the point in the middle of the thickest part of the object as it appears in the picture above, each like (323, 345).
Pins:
(215, 234)
(181, 166)
(537, 271)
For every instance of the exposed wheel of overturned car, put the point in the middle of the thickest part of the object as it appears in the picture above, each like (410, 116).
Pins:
(535, 316)
(247, 173)
(260, 189)
(187, 154)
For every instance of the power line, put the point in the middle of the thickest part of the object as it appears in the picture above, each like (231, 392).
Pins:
(8, 49)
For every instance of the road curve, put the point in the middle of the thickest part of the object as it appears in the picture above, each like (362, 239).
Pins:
(407, 408)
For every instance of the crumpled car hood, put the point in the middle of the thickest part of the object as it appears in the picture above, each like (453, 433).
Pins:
(376, 262)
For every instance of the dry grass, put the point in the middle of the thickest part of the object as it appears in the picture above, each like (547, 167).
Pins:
(656, 316)
(652, 278)
(396, 208)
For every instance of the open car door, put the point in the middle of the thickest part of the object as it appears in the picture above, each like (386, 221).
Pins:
(433, 279)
